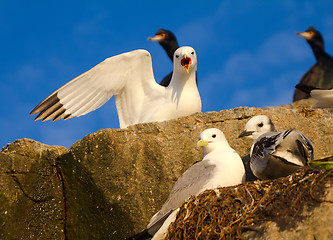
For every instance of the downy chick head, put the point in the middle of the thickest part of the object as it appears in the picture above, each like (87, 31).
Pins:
(257, 126)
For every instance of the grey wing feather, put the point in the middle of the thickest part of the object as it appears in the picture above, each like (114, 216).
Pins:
(266, 144)
(295, 148)
(306, 145)
(190, 183)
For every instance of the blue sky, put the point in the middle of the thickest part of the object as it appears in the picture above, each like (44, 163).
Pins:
(248, 53)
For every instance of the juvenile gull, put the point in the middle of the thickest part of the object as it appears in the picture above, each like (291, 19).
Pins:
(128, 76)
(220, 166)
(275, 154)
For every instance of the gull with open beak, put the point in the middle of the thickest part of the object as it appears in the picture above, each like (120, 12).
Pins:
(128, 76)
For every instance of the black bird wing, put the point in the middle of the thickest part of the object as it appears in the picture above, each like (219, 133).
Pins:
(305, 88)
(310, 79)
(166, 80)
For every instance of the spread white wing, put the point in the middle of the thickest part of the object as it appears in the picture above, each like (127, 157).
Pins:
(129, 76)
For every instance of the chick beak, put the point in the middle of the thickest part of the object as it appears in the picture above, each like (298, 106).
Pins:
(245, 133)
(186, 62)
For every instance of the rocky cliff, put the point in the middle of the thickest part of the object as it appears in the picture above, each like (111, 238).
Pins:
(110, 183)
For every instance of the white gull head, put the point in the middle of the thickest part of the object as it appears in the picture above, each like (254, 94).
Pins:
(257, 126)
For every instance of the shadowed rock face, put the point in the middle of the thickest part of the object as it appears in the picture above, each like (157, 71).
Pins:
(109, 184)
(31, 202)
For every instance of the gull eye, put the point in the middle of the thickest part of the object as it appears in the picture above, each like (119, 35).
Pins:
(260, 124)
(214, 136)
(177, 56)
(192, 53)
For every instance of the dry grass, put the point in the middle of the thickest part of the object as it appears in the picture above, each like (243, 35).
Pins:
(226, 213)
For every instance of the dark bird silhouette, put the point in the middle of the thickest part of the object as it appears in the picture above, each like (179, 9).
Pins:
(169, 42)
(320, 75)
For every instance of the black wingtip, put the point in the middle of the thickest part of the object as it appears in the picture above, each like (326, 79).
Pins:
(45, 104)
(50, 108)
(305, 88)
(144, 235)
(68, 116)
(60, 115)
(35, 110)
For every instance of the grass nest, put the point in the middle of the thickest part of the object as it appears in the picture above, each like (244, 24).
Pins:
(226, 213)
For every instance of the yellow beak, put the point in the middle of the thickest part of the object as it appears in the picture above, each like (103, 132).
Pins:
(201, 143)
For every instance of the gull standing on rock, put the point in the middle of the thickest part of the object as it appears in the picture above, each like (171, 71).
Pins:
(275, 154)
(220, 166)
(128, 76)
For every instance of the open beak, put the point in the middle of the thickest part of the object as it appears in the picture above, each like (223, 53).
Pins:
(186, 62)
(245, 133)
(306, 35)
(202, 143)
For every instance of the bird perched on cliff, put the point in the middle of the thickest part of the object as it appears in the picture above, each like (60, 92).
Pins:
(275, 154)
(169, 42)
(220, 166)
(320, 75)
(128, 76)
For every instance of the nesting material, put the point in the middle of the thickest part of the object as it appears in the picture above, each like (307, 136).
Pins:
(228, 212)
